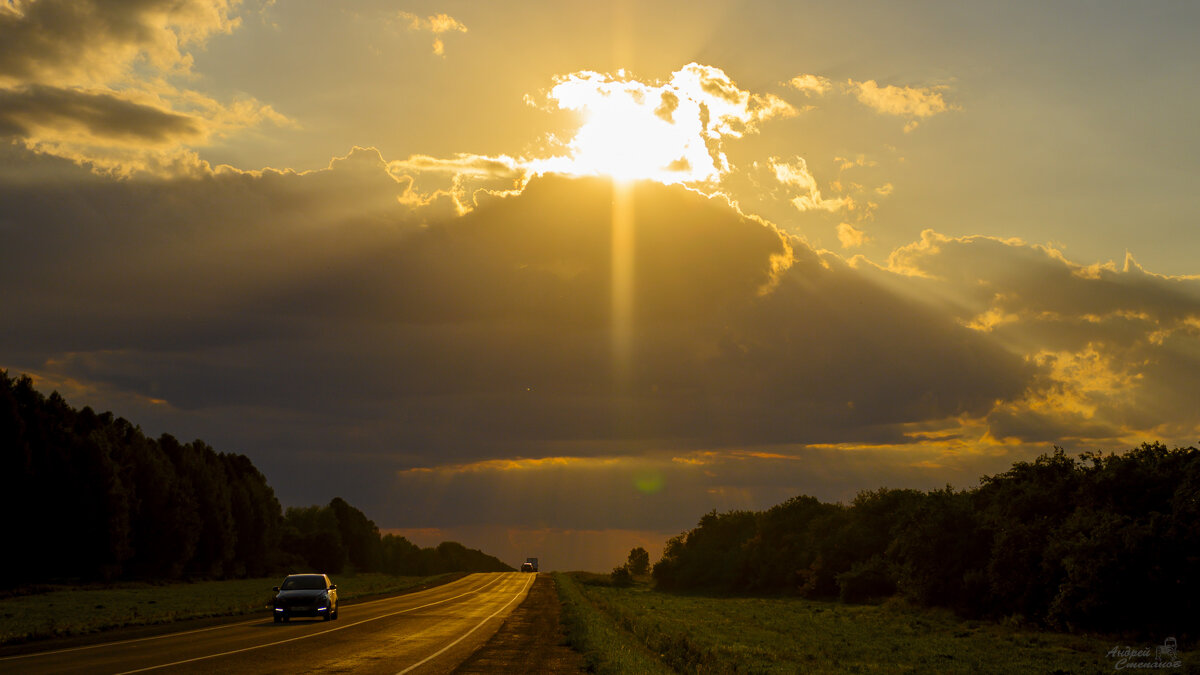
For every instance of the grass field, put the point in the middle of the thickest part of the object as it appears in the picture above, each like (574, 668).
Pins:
(622, 629)
(70, 611)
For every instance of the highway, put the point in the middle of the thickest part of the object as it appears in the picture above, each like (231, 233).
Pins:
(430, 631)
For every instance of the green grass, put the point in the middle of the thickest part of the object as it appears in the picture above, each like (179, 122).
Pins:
(690, 633)
(64, 611)
(606, 647)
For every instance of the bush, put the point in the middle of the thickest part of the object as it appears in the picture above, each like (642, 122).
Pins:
(621, 577)
(865, 580)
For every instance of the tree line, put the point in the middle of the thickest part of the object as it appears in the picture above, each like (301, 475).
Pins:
(1105, 542)
(339, 537)
(89, 496)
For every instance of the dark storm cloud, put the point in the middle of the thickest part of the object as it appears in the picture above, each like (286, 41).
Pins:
(73, 41)
(96, 115)
(317, 320)
(484, 335)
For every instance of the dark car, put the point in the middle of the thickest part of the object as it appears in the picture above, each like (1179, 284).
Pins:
(305, 595)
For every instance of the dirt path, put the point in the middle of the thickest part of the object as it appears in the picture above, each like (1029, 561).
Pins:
(531, 640)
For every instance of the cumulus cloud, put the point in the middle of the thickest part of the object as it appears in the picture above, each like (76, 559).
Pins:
(1114, 346)
(317, 313)
(850, 236)
(795, 175)
(437, 24)
(90, 81)
(94, 42)
(811, 85)
(914, 103)
(406, 357)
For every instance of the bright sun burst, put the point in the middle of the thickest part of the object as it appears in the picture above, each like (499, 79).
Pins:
(621, 139)
(671, 132)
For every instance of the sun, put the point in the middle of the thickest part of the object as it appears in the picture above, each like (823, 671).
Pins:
(632, 130)
(621, 138)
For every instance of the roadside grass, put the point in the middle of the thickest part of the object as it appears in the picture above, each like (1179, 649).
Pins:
(606, 647)
(67, 611)
(693, 633)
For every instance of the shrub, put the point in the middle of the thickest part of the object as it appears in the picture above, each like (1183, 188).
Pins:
(865, 580)
(621, 577)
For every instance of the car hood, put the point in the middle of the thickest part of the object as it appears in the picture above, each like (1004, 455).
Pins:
(303, 593)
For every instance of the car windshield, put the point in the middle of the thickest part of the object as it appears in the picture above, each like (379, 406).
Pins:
(308, 582)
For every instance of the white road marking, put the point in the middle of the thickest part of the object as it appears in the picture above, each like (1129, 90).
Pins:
(308, 635)
(464, 635)
(168, 635)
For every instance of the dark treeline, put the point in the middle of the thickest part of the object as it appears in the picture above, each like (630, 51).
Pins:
(338, 537)
(89, 497)
(1099, 542)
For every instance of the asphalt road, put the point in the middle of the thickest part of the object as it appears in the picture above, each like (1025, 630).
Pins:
(430, 631)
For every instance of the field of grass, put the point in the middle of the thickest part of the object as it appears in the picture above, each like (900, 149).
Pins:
(691, 633)
(68, 611)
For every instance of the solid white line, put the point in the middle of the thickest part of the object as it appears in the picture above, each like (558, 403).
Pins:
(464, 635)
(170, 635)
(126, 642)
(309, 635)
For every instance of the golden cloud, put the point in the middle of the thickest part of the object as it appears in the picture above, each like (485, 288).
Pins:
(911, 102)
(89, 81)
(850, 236)
(436, 24)
(811, 85)
(796, 175)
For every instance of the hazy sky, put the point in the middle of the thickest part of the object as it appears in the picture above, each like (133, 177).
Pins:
(558, 278)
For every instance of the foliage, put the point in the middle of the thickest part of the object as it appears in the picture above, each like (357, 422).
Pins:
(1099, 542)
(101, 501)
(74, 610)
(621, 576)
(606, 647)
(694, 633)
(639, 562)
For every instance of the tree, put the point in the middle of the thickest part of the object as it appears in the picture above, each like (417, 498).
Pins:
(639, 562)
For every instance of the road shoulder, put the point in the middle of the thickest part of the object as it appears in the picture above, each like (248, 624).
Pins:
(531, 639)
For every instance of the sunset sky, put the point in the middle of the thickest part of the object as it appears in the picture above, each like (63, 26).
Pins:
(558, 278)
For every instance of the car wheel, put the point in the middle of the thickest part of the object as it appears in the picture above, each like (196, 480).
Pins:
(335, 613)
(328, 615)
(278, 618)
(286, 618)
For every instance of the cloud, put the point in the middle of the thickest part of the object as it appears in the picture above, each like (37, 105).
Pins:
(795, 174)
(914, 103)
(811, 85)
(90, 118)
(93, 42)
(90, 81)
(337, 319)
(850, 236)
(283, 312)
(670, 131)
(461, 183)
(436, 24)
(1114, 346)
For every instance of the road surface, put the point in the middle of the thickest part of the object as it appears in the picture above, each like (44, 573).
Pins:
(430, 631)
